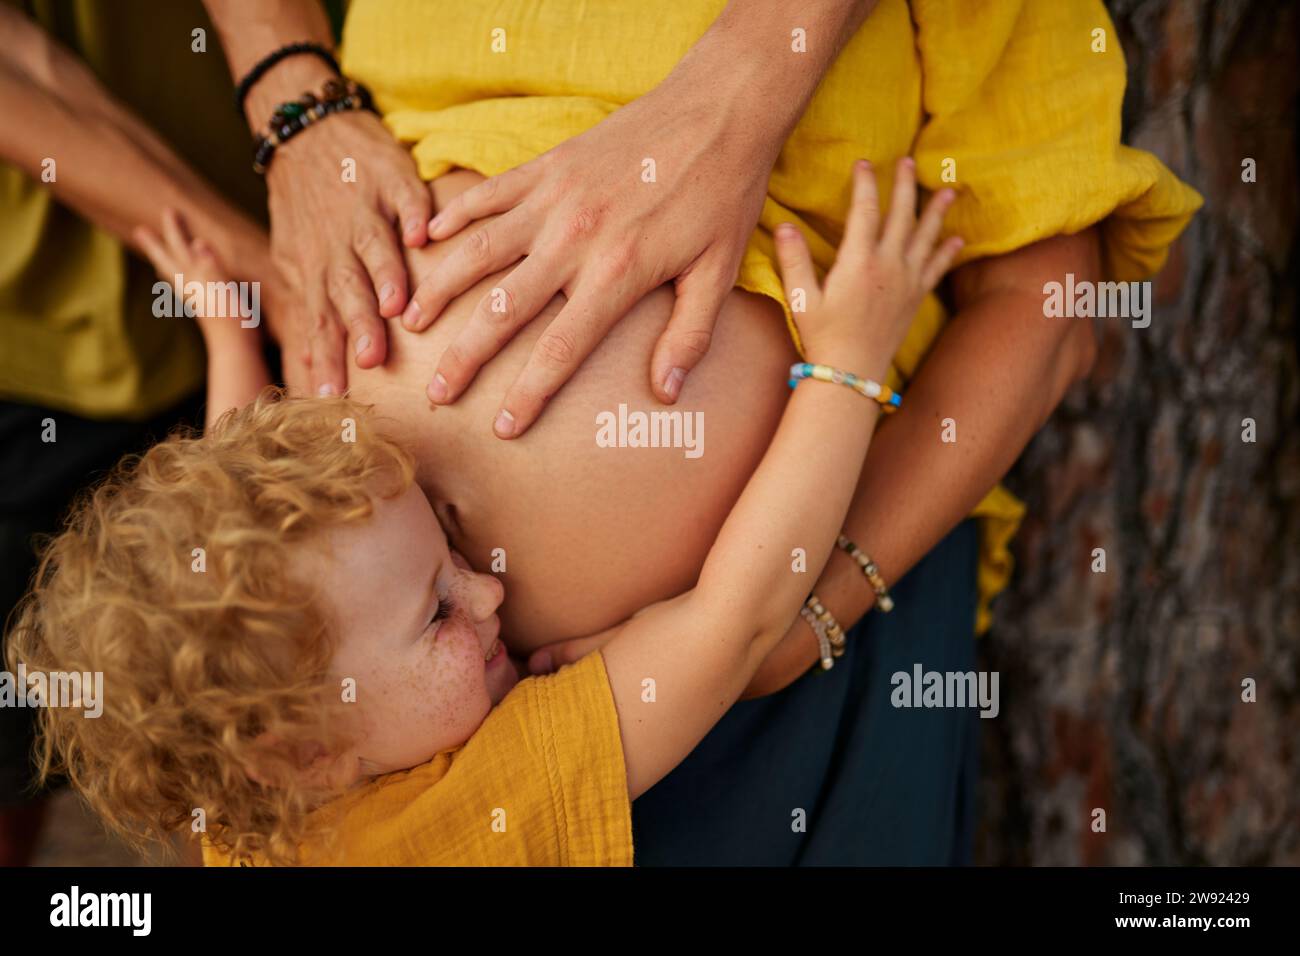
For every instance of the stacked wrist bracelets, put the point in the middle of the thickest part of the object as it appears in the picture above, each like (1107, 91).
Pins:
(290, 118)
(830, 635)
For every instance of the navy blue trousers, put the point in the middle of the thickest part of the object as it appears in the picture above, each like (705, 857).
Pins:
(877, 785)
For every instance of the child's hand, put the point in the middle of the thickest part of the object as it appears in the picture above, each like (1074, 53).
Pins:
(236, 367)
(877, 283)
(173, 252)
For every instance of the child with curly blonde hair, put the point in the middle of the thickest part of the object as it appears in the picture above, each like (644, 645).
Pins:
(296, 663)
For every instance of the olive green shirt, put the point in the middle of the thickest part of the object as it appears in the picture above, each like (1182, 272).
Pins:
(77, 330)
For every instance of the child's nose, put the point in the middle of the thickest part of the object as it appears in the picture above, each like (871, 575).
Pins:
(488, 593)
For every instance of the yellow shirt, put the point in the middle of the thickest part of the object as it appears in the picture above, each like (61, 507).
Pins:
(1009, 90)
(541, 783)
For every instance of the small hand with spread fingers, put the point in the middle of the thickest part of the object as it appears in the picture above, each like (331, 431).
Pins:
(859, 316)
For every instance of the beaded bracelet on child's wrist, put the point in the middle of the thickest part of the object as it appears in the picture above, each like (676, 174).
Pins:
(890, 401)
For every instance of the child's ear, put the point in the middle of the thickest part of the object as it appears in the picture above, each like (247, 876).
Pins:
(277, 762)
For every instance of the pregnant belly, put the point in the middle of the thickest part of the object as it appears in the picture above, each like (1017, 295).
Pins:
(602, 507)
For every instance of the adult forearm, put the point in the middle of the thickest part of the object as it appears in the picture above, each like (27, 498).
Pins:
(59, 125)
(249, 31)
(752, 62)
(997, 378)
(997, 371)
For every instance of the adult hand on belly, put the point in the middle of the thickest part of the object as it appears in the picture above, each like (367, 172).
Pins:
(584, 535)
(337, 243)
(662, 190)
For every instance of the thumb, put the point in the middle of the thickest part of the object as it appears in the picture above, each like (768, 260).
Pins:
(552, 657)
(689, 333)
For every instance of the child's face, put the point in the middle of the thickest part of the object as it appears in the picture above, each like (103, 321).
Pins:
(416, 630)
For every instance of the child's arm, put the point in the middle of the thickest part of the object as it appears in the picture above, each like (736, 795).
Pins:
(702, 648)
(236, 366)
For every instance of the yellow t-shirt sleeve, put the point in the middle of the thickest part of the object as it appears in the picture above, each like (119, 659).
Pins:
(541, 783)
(543, 780)
(1023, 111)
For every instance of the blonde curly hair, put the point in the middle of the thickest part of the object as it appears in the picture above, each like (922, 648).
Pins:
(198, 666)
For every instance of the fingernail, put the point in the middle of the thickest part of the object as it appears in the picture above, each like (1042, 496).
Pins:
(673, 383)
(386, 292)
(326, 389)
(505, 424)
(412, 314)
(438, 388)
(363, 343)
(786, 230)
(540, 663)
(434, 224)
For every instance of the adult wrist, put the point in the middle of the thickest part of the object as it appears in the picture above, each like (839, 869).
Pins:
(736, 64)
(721, 73)
(844, 590)
(285, 81)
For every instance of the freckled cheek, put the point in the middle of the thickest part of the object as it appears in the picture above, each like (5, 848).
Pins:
(457, 694)
(386, 700)
(456, 649)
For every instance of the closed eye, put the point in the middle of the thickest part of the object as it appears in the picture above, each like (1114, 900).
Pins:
(445, 610)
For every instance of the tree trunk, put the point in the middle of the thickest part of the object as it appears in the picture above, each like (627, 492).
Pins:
(1122, 690)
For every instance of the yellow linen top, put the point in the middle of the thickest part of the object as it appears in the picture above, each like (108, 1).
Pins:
(542, 782)
(1009, 90)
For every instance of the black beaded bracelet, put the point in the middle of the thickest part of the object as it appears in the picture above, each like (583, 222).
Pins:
(271, 59)
(293, 117)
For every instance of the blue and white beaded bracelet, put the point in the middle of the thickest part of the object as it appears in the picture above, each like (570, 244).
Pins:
(889, 399)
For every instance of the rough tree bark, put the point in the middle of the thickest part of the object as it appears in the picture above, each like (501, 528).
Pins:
(1123, 690)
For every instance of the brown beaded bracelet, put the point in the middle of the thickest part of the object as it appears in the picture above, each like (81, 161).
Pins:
(870, 571)
(290, 119)
(830, 636)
